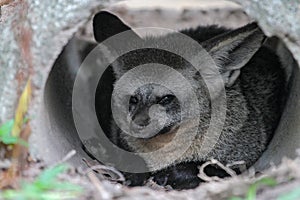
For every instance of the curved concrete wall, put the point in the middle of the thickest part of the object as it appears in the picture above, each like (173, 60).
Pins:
(54, 134)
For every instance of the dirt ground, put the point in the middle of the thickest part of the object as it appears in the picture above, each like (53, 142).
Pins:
(286, 185)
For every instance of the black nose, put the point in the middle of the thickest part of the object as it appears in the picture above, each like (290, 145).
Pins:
(141, 120)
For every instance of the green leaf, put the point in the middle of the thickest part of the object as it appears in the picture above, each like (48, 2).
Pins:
(5, 133)
(251, 194)
(49, 175)
(267, 181)
(6, 136)
(6, 128)
(45, 187)
(9, 140)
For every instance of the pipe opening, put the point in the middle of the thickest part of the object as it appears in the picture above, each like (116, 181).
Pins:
(57, 119)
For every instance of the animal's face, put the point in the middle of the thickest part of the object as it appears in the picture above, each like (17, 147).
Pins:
(142, 105)
(157, 98)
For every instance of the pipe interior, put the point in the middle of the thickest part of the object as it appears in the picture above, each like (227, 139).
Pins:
(57, 134)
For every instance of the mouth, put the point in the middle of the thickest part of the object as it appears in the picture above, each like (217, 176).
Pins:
(166, 131)
(164, 137)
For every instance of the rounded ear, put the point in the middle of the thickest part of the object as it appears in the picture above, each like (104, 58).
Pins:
(232, 50)
(106, 24)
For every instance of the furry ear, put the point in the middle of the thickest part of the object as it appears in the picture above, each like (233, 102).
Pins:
(106, 24)
(233, 50)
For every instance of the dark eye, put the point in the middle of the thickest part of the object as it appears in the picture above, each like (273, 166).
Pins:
(133, 100)
(166, 99)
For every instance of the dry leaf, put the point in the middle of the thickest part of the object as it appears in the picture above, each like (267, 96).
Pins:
(22, 109)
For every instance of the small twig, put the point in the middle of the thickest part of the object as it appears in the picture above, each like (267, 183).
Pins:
(153, 185)
(103, 194)
(203, 175)
(68, 156)
(90, 163)
(241, 165)
(114, 174)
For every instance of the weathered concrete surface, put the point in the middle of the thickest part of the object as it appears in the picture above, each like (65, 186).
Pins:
(33, 33)
(277, 18)
(281, 18)
(181, 14)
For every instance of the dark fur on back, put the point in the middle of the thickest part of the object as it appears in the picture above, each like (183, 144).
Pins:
(258, 93)
(254, 105)
(203, 33)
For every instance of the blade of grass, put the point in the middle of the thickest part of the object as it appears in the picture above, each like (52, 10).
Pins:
(251, 194)
(41, 189)
(6, 136)
(252, 190)
(5, 133)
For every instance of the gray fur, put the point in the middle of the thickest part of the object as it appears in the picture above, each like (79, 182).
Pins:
(254, 87)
